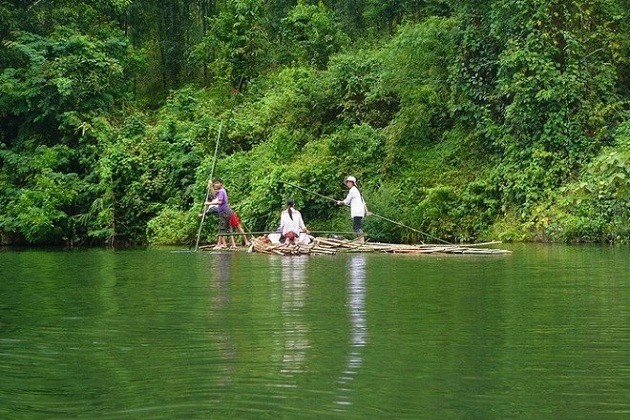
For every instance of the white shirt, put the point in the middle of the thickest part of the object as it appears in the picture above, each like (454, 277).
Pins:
(355, 201)
(291, 225)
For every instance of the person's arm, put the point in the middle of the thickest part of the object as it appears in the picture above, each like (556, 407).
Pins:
(353, 194)
(219, 198)
(346, 201)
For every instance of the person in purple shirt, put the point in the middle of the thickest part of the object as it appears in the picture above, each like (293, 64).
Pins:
(224, 211)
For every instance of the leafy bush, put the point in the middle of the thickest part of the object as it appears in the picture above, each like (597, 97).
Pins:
(597, 207)
(173, 227)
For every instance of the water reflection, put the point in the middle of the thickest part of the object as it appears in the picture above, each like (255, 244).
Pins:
(358, 326)
(219, 283)
(155, 334)
(219, 300)
(294, 329)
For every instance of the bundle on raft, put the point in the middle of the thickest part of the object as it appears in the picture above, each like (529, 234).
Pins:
(330, 246)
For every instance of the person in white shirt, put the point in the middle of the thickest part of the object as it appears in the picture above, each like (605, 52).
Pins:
(358, 208)
(292, 225)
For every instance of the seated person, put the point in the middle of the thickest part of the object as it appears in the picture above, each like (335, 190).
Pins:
(292, 225)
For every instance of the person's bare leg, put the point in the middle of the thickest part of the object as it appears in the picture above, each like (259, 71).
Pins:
(240, 229)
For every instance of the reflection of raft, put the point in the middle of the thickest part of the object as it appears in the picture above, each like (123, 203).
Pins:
(330, 246)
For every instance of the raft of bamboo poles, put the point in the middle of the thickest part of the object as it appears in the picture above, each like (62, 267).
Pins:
(330, 246)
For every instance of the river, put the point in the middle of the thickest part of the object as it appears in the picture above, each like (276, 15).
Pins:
(164, 333)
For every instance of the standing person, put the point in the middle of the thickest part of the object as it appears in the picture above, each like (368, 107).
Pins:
(358, 208)
(292, 224)
(224, 211)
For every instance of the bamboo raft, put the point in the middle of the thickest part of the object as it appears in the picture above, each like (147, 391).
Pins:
(330, 246)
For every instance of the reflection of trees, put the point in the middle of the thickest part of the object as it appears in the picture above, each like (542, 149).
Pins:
(358, 325)
(294, 330)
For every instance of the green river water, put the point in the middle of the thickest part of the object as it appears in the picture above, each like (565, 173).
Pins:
(161, 333)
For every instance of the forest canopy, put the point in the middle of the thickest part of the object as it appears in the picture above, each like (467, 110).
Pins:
(469, 120)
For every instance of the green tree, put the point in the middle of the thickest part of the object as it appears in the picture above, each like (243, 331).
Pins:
(416, 71)
(51, 102)
(312, 34)
(236, 45)
(557, 78)
(536, 82)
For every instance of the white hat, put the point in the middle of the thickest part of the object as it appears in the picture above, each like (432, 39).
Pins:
(352, 179)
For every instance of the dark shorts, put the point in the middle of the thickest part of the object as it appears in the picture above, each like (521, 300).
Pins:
(357, 224)
(224, 221)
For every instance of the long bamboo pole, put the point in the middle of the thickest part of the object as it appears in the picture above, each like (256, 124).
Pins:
(203, 209)
(371, 213)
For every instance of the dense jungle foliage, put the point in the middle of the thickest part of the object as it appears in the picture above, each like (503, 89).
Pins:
(468, 120)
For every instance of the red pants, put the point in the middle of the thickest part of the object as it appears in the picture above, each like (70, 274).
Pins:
(234, 221)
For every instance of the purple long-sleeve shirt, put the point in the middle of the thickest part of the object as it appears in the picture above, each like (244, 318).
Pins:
(222, 197)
